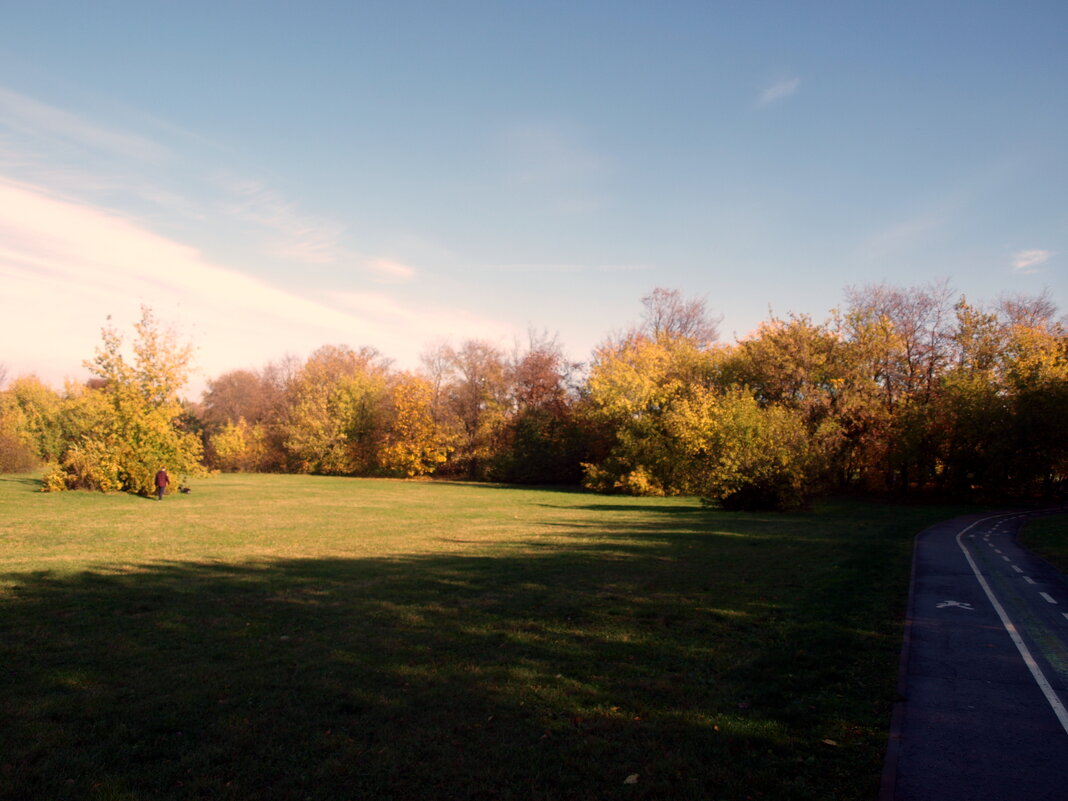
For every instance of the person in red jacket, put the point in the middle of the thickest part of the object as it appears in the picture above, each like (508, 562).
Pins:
(162, 480)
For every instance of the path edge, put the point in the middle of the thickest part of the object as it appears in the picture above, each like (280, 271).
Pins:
(888, 782)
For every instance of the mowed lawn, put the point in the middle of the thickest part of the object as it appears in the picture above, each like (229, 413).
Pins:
(294, 637)
(1048, 537)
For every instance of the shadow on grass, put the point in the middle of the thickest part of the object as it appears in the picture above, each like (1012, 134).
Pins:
(658, 508)
(548, 675)
(566, 489)
(28, 482)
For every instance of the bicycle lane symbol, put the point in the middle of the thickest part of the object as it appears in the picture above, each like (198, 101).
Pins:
(958, 604)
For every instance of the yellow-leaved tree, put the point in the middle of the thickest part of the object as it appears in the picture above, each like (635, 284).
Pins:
(132, 419)
(415, 444)
(742, 455)
(335, 418)
(633, 385)
(240, 446)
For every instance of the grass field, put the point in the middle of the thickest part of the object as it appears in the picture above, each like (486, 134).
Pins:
(287, 637)
(1048, 537)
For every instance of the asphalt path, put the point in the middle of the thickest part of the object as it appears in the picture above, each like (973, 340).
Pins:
(984, 673)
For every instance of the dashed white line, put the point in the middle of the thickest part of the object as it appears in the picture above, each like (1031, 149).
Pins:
(1029, 580)
(1065, 615)
(1040, 678)
(1006, 559)
(1048, 597)
(1017, 569)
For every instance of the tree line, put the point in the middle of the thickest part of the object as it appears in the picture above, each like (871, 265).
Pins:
(902, 390)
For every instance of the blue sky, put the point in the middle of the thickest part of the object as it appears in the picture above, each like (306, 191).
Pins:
(271, 177)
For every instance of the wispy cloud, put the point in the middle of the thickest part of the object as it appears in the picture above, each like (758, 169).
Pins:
(48, 146)
(903, 236)
(75, 159)
(553, 158)
(780, 90)
(546, 152)
(1028, 261)
(574, 268)
(72, 264)
(391, 270)
(39, 121)
(428, 322)
(290, 235)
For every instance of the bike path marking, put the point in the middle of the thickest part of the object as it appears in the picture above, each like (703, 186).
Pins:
(1014, 634)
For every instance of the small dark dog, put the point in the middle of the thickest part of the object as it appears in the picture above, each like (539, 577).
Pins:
(184, 490)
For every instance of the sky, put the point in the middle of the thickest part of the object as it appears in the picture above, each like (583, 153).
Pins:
(271, 177)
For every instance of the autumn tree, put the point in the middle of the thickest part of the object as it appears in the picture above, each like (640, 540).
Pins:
(1019, 310)
(239, 446)
(741, 454)
(20, 449)
(131, 423)
(541, 441)
(808, 369)
(31, 422)
(1036, 375)
(414, 442)
(670, 315)
(244, 412)
(900, 339)
(634, 382)
(971, 413)
(336, 418)
(472, 402)
(235, 395)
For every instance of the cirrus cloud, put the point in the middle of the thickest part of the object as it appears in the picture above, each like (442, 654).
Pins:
(66, 266)
(780, 90)
(1028, 261)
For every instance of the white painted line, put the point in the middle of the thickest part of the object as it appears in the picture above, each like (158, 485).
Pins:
(1065, 615)
(1048, 597)
(1010, 627)
(1006, 559)
(1017, 569)
(997, 550)
(1029, 580)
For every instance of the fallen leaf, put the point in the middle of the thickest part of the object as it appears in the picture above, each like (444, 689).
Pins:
(829, 742)
(631, 779)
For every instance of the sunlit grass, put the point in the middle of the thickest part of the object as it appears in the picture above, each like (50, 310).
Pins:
(299, 637)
